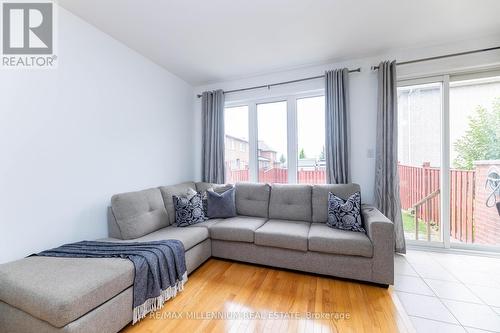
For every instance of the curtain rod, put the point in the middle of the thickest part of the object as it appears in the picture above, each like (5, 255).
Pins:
(443, 56)
(268, 86)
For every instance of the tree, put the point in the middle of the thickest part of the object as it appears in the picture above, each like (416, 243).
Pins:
(282, 159)
(481, 141)
(302, 154)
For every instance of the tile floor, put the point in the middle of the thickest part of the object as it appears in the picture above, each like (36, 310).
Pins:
(443, 292)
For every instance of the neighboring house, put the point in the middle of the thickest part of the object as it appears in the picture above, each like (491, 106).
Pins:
(237, 154)
(236, 151)
(419, 113)
(267, 156)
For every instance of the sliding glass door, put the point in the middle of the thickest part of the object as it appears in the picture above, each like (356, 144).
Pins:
(475, 160)
(419, 159)
(449, 160)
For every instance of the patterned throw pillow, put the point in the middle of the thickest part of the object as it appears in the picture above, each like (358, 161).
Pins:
(345, 215)
(188, 211)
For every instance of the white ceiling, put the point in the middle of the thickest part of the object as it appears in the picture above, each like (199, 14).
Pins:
(205, 41)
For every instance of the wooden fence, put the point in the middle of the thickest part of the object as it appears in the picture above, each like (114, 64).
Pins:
(278, 175)
(416, 183)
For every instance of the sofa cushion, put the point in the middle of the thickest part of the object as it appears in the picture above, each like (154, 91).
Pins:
(252, 199)
(320, 198)
(207, 224)
(324, 239)
(188, 211)
(139, 213)
(221, 205)
(286, 234)
(345, 214)
(238, 229)
(61, 290)
(202, 187)
(290, 202)
(188, 236)
(168, 192)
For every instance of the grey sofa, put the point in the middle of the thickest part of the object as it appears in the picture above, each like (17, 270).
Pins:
(279, 225)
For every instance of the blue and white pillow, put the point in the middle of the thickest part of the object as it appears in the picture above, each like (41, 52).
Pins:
(345, 214)
(188, 210)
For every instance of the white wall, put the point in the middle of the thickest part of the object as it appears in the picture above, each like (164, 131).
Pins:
(107, 120)
(363, 94)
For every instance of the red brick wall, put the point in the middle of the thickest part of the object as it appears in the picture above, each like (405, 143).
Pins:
(486, 219)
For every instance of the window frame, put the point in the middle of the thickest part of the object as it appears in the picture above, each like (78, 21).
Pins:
(292, 134)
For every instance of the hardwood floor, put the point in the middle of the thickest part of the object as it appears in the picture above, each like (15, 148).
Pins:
(260, 299)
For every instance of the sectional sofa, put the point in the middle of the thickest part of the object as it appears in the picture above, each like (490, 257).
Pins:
(279, 225)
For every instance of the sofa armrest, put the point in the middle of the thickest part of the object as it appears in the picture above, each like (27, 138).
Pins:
(380, 230)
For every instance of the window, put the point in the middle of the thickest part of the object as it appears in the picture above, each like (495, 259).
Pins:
(272, 142)
(311, 166)
(236, 160)
(278, 140)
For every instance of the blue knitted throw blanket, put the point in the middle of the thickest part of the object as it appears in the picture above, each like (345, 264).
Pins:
(160, 268)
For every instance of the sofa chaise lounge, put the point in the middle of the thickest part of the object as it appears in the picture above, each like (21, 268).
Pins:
(280, 225)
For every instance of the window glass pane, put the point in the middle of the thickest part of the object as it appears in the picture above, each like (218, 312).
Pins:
(272, 142)
(419, 156)
(236, 144)
(311, 140)
(475, 161)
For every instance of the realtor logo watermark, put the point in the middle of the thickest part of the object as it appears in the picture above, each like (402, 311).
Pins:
(28, 34)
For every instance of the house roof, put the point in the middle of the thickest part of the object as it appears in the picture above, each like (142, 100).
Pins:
(264, 147)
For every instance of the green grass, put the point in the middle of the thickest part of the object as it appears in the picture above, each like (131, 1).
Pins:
(409, 224)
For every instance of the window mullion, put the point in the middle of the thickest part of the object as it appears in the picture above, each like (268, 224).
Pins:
(445, 162)
(253, 139)
(292, 139)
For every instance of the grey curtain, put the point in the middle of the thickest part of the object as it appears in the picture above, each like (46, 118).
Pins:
(386, 164)
(212, 107)
(337, 126)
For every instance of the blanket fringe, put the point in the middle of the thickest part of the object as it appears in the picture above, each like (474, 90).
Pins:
(156, 303)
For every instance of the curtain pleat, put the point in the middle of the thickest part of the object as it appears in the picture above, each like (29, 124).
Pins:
(213, 136)
(337, 142)
(387, 197)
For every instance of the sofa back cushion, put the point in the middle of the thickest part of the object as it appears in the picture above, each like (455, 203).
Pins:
(202, 187)
(179, 190)
(139, 213)
(252, 199)
(320, 198)
(290, 202)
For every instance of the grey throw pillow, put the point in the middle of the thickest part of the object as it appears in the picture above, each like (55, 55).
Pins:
(221, 205)
(217, 188)
(345, 214)
(188, 210)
